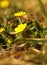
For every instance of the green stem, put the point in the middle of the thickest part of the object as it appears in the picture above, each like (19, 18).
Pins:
(19, 20)
(43, 10)
(24, 40)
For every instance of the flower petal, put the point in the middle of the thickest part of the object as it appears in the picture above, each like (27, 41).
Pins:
(1, 30)
(4, 4)
(19, 13)
(20, 28)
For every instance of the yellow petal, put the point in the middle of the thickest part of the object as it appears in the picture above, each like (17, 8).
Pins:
(19, 13)
(4, 4)
(9, 40)
(20, 28)
(2, 29)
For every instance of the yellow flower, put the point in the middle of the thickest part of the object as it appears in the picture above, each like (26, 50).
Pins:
(9, 40)
(20, 28)
(1, 30)
(4, 4)
(20, 13)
